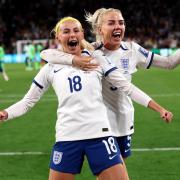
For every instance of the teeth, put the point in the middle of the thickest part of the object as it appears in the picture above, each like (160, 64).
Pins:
(116, 34)
(73, 43)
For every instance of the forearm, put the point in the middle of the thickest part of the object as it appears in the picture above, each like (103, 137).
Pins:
(17, 109)
(166, 115)
(119, 81)
(139, 96)
(56, 56)
(25, 104)
(169, 62)
(155, 106)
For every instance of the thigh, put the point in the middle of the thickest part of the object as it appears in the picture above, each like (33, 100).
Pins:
(54, 175)
(124, 144)
(102, 153)
(116, 172)
(67, 157)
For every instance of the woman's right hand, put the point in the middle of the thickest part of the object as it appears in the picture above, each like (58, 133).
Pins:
(84, 63)
(167, 116)
(3, 115)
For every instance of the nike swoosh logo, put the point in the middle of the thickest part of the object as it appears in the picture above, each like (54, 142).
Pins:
(55, 71)
(112, 157)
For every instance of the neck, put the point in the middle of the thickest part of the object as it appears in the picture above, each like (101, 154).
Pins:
(73, 51)
(111, 46)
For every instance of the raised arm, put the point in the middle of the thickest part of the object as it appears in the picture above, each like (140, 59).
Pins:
(169, 62)
(39, 86)
(164, 114)
(56, 56)
(115, 77)
(22, 106)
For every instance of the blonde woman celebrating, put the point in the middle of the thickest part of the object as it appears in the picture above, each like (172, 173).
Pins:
(109, 27)
(82, 127)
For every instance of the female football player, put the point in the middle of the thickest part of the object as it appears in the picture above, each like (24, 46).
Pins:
(109, 27)
(82, 127)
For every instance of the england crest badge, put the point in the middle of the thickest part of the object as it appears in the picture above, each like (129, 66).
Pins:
(125, 64)
(57, 157)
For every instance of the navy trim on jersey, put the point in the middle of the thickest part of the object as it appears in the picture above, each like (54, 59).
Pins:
(37, 84)
(123, 48)
(109, 71)
(100, 46)
(143, 51)
(150, 61)
(86, 52)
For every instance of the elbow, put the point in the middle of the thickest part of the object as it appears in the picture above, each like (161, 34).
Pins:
(171, 66)
(173, 61)
(170, 63)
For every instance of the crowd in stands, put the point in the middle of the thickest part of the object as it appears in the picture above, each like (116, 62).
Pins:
(151, 23)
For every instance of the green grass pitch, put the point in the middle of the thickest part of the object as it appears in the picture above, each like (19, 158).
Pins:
(35, 131)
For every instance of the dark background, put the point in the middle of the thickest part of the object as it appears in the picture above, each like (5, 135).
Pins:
(151, 23)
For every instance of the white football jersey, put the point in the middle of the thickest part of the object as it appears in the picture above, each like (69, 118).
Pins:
(120, 109)
(81, 113)
(119, 106)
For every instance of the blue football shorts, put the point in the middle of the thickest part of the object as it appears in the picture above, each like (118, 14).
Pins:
(101, 153)
(124, 144)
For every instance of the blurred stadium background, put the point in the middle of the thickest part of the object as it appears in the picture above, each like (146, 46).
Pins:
(154, 24)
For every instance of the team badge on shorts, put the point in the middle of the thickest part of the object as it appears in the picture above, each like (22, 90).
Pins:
(57, 157)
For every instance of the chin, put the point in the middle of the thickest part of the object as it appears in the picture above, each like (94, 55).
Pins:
(116, 43)
(73, 50)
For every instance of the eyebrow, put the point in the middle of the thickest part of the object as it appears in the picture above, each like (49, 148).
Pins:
(121, 20)
(66, 29)
(76, 28)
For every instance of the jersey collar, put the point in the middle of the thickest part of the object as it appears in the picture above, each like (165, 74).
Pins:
(123, 47)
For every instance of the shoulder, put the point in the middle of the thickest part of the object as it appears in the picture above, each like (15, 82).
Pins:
(129, 45)
(136, 48)
(51, 67)
(86, 52)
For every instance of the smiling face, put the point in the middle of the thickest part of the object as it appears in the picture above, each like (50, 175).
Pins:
(112, 29)
(70, 34)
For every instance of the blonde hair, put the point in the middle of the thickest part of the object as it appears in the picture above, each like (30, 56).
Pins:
(56, 30)
(95, 20)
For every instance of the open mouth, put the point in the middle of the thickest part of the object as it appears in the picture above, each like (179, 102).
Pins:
(73, 43)
(116, 34)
